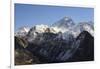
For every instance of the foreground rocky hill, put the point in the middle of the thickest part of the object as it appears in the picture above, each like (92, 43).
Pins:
(52, 49)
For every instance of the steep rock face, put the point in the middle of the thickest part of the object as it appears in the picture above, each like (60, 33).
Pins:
(85, 50)
(50, 49)
(23, 56)
(83, 26)
(20, 43)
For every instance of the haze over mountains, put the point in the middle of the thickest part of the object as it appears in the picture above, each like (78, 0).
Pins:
(63, 41)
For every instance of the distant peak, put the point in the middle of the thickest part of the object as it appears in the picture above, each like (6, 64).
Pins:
(66, 18)
(23, 29)
(65, 22)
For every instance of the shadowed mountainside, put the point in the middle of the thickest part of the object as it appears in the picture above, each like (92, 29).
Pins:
(51, 50)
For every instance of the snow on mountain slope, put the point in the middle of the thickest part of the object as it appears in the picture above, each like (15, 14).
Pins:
(64, 23)
(41, 28)
(76, 29)
(22, 31)
(35, 30)
(88, 27)
(84, 26)
(44, 28)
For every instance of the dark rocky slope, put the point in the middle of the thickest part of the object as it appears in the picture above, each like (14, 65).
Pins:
(85, 51)
(23, 56)
(53, 50)
(50, 49)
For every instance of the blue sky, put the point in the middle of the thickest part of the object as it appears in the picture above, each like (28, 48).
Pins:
(30, 15)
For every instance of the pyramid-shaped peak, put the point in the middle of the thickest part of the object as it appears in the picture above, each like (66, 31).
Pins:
(65, 22)
(66, 18)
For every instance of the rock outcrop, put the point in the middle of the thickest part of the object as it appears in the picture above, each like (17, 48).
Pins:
(47, 48)
(85, 50)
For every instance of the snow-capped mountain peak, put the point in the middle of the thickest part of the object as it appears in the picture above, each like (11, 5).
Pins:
(66, 18)
(41, 28)
(64, 23)
(22, 31)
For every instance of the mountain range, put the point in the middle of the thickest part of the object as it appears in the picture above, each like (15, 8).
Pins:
(63, 41)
